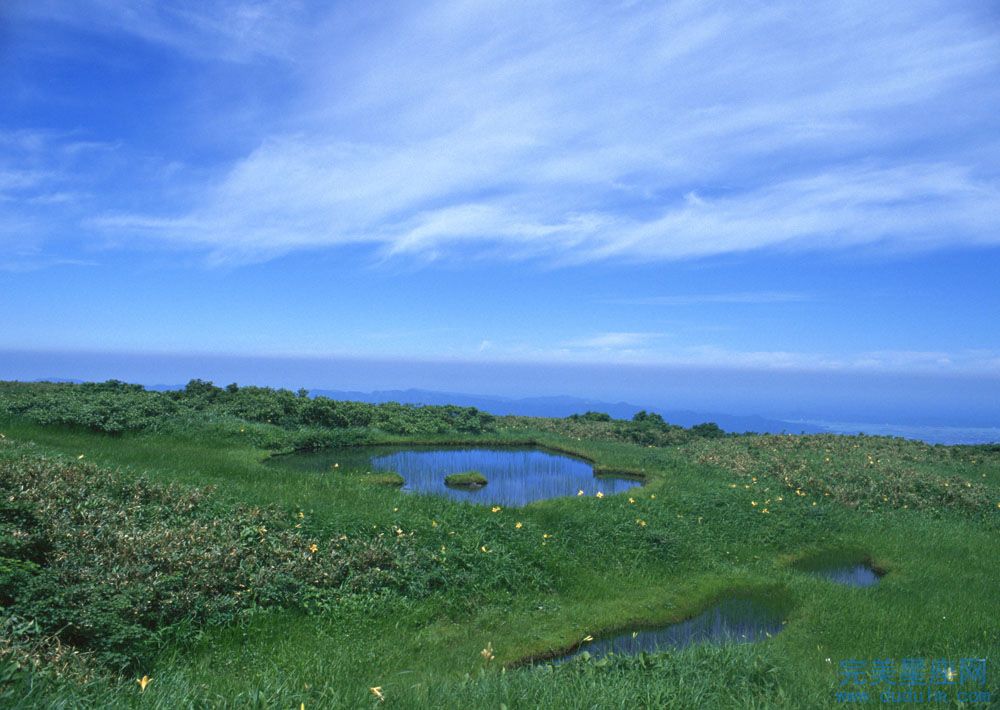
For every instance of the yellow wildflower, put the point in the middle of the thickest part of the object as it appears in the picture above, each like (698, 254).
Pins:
(496, 509)
(313, 548)
(753, 503)
(653, 496)
(517, 525)
(483, 549)
(580, 492)
(143, 682)
(631, 500)
(599, 494)
(640, 522)
(301, 515)
(434, 523)
(588, 638)
(487, 652)
(79, 457)
(377, 692)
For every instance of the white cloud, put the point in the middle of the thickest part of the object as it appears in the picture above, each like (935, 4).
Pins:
(615, 341)
(651, 349)
(577, 132)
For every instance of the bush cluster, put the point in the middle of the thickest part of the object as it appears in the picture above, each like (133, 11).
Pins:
(113, 565)
(644, 429)
(115, 407)
(107, 561)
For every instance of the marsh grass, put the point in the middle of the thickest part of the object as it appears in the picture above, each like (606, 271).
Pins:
(466, 479)
(530, 580)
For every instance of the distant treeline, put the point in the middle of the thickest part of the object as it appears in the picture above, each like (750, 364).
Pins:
(281, 418)
(116, 407)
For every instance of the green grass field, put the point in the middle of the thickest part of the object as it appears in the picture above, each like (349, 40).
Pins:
(441, 604)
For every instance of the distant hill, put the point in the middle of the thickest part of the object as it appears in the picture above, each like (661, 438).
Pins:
(564, 406)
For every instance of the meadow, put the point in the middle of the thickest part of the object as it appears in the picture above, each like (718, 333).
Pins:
(156, 536)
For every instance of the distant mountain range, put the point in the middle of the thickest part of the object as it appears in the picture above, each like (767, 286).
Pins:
(563, 406)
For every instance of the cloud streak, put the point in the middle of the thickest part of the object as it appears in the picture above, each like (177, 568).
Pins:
(650, 349)
(580, 132)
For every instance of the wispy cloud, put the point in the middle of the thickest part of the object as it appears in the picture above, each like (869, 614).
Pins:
(654, 349)
(585, 132)
(232, 30)
(615, 341)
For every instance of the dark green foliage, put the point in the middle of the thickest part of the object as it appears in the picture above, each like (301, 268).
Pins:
(590, 417)
(107, 561)
(708, 430)
(112, 407)
(115, 407)
(644, 417)
(644, 429)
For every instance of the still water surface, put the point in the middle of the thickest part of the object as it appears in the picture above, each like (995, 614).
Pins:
(851, 575)
(730, 621)
(516, 476)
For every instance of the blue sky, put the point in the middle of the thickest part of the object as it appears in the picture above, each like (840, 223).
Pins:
(736, 187)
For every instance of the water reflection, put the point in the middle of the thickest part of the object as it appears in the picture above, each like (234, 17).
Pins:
(851, 575)
(515, 476)
(729, 621)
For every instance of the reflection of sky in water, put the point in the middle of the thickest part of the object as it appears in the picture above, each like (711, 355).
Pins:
(852, 575)
(734, 621)
(515, 477)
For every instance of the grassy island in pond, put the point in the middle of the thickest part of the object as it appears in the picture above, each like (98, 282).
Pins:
(157, 535)
(385, 478)
(467, 479)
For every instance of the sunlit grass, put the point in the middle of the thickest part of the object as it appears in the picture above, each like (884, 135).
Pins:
(659, 553)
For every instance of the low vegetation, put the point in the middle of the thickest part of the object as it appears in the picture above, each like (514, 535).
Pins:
(157, 536)
(466, 479)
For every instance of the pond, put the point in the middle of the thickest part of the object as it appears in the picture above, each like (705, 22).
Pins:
(735, 620)
(851, 575)
(515, 476)
(851, 567)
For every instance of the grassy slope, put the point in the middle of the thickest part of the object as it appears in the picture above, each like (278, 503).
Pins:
(702, 536)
